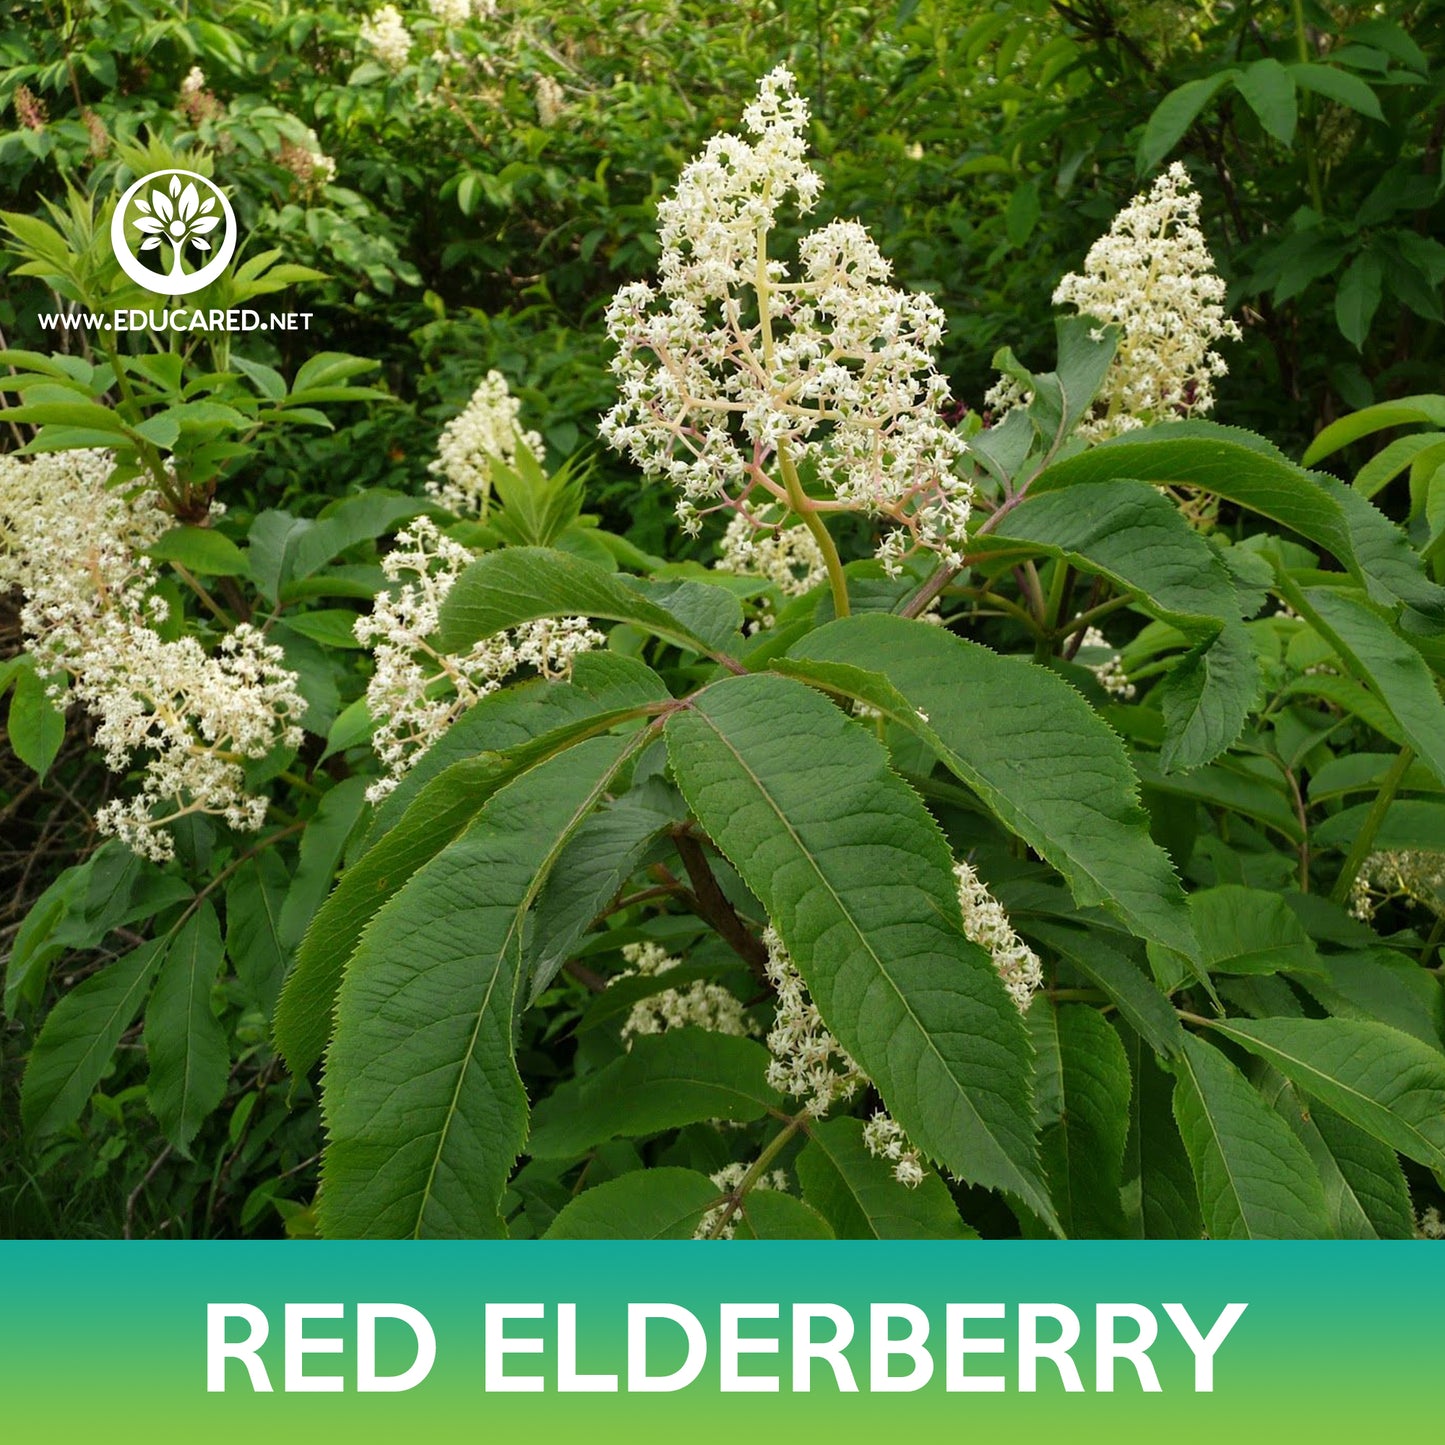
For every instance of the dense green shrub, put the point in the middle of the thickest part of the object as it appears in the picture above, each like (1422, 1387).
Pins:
(1018, 812)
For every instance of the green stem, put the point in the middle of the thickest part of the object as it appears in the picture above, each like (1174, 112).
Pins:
(1431, 943)
(210, 603)
(756, 1172)
(797, 497)
(1058, 587)
(798, 500)
(1365, 839)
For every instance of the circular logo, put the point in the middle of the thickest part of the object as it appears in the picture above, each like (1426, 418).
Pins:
(180, 221)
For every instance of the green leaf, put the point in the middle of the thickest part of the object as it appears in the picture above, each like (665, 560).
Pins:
(322, 843)
(1135, 538)
(1358, 298)
(1337, 85)
(1364, 1186)
(1206, 699)
(1387, 664)
(1246, 930)
(648, 1204)
(598, 861)
(425, 1111)
(1174, 115)
(87, 414)
(1410, 823)
(1159, 1197)
(683, 1076)
(437, 816)
(346, 523)
(1254, 1178)
(1034, 751)
(1268, 90)
(1383, 1081)
(519, 584)
(254, 898)
(1081, 1102)
(190, 1059)
(1247, 470)
(858, 881)
(1381, 985)
(329, 368)
(771, 1214)
(517, 713)
(1395, 457)
(330, 626)
(858, 1195)
(1426, 410)
(1136, 994)
(79, 1038)
(202, 551)
(36, 727)
(79, 910)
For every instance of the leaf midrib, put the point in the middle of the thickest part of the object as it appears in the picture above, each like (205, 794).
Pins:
(512, 932)
(1028, 1189)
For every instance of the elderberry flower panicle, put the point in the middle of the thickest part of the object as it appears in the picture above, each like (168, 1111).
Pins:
(416, 690)
(986, 924)
(728, 1179)
(485, 431)
(1110, 672)
(1410, 875)
(1152, 276)
(737, 370)
(701, 1005)
(810, 1064)
(76, 549)
(385, 34)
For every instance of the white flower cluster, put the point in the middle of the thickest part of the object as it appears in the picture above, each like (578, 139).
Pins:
(701, 1005)
(386, 34)
(551, 101)
(986, 924)
(810, 1064)
(1431, 1226)
(728, 1178)
(1153, 277)
(885, 1139)
(733, 367)
(789, 557)
(416, 691)
(1112, 677)
(1416, 876)
(76, 549)
(486, 430)
(451, 12)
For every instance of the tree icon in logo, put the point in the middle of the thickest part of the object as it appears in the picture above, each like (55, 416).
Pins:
(176, 218)
(176, 214)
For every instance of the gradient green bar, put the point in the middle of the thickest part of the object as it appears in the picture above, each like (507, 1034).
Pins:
(107, 1342)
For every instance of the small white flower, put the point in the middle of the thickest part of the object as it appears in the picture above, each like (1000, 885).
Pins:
(387, 36)
(1110, 672)
(1415, 876)
(417, 691)
(551, 101)
(986, 924)
(701, 1005)
(76, 549)
(728, 1178)
(738, 367)
(486, 430)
